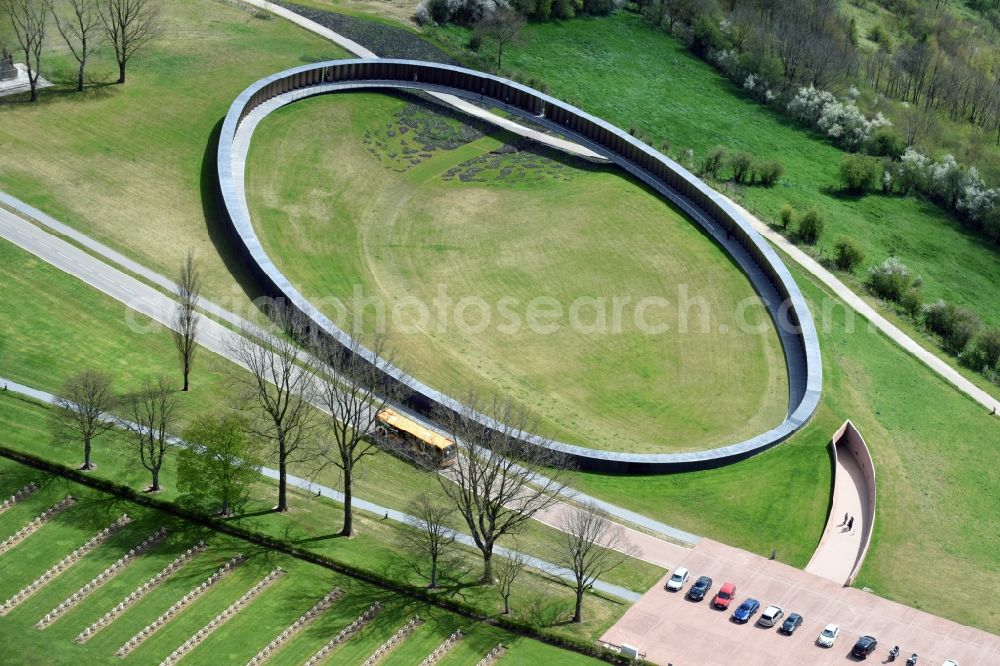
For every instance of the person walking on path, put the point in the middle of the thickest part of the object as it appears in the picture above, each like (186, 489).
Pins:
(846, 516)
(850, 523)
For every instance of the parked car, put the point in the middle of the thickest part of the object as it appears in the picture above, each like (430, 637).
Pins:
(724, 596)
(677, 581)
(770, 616)
(864, 647)
(700, 588)
(746, 611)
(828, 635)
(791, 623)
(950, 662)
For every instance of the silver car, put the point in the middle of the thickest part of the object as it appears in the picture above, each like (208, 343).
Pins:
(770, 616)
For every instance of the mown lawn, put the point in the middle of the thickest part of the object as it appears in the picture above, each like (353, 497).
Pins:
(628, 74)
(133, 165)
(349, 217)
(238, 640)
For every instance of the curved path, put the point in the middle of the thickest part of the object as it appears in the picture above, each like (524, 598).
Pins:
(759, 262)
(842, 550)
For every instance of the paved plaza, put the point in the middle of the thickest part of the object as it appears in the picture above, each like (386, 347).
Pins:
(669, 629)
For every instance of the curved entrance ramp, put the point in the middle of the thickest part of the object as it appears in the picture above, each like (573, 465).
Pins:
(841, 551)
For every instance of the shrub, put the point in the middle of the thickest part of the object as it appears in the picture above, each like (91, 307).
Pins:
(740, 163)
(879, 35)
(887, 143)
(476, 41)
(811, 227)
(890, 279)
(769, 172)
(945, 181)
(985, 354)
(860, 173)
(912, 302)
(787, 216)
(956, 326)
(849, 254)
(601, 7)
(713, 162)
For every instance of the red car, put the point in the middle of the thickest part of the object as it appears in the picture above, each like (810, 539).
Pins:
(724, 596)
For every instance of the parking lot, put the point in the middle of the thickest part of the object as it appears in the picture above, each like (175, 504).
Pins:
(672, 630)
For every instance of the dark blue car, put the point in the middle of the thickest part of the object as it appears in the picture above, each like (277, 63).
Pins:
(746, 611)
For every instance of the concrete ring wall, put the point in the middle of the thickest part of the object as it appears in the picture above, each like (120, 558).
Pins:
(761, 264)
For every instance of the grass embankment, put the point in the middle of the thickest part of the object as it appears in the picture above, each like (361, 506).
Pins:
(133, 165)
(623, 71)
(367, 205)
(239, 639)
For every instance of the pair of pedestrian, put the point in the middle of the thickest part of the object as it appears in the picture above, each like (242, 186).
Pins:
(848, 521)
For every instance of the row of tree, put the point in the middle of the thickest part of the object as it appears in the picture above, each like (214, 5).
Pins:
(311, 401)
(85, 25)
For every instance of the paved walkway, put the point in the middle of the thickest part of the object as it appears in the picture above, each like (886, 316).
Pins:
(376, 509)
(671, 629)
(840, 547)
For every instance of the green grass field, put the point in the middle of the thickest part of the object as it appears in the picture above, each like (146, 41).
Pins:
(235, 642)
(133, 165)
(934, 453)
(476, 224)
(630, 75)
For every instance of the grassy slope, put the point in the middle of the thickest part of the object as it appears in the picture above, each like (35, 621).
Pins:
(567, 233)
(138, 178)
(40, 350)
(626, 73)
(241, 637)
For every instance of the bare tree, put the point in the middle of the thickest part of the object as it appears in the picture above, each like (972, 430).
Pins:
(432, 534)
(28, 18)
(359, 390)
(507, 570)
(186, 318)
(129, 25)
(77, 31)
(502, 25)
(591, 546)
(499, 482)
(278, 388)
(84, 409)
(152, 413)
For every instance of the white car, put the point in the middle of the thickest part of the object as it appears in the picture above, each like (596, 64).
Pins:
(770, 616)
(677, 581)
(828, 635)
(950, 662)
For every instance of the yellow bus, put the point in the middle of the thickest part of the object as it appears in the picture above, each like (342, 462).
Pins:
(417, 441)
